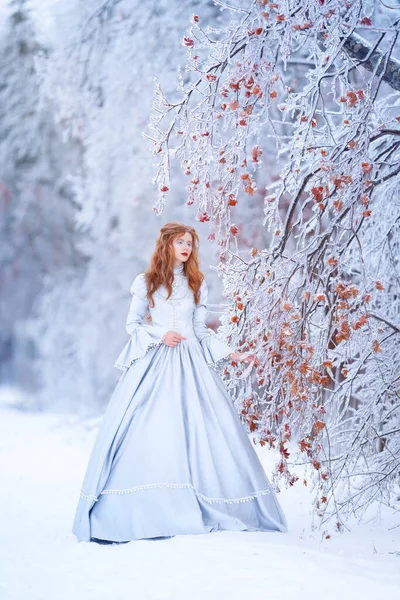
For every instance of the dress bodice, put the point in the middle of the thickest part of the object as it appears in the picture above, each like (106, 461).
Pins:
(177, 313)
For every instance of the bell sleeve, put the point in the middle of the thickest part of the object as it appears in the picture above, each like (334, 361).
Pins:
(215, 350)
(143, 336)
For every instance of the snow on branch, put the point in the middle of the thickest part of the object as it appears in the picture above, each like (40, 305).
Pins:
(303, 97)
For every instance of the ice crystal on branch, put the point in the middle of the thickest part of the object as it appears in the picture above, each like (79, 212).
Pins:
(303, 98)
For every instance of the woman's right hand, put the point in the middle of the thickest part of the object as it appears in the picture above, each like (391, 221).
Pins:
(172, 338)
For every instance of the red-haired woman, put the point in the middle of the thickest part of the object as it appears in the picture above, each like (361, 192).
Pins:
(172, 456)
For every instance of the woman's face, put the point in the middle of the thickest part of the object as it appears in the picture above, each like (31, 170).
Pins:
(182, 245)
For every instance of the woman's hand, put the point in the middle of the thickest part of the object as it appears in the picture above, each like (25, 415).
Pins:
(242, 357)
(172, 338)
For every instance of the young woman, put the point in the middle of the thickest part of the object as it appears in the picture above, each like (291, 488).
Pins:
(172, 456)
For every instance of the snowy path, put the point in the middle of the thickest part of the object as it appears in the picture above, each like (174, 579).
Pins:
(42, 462)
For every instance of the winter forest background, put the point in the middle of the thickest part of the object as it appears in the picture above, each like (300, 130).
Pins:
(279, 140)
(76, 191)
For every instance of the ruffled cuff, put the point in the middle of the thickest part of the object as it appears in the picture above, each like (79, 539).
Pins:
(142, 340)
(215, 351)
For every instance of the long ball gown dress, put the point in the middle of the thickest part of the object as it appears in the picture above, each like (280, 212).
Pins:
(171, 455)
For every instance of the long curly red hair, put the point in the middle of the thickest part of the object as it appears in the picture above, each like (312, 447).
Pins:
(161, 269)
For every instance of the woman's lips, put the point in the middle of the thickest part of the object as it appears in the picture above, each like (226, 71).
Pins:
(184, 253)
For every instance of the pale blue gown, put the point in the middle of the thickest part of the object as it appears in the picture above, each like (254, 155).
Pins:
(172, 455)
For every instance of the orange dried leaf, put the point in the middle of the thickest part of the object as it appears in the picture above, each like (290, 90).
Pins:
(318, 297)
(332, 262)
(318, 426)
(256, 153)
(376, 347)
(287, 331)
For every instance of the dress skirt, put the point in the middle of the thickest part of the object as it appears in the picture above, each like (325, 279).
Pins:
(173, 457)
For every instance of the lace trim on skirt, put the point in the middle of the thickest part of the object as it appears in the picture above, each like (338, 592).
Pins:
(178, 486)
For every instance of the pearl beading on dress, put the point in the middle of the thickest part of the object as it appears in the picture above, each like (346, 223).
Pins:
(179, 283)
(179, 486)
(175, 299)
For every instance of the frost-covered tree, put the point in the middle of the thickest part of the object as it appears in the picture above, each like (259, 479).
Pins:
(300, 102)
(38, 241)
(97, 66)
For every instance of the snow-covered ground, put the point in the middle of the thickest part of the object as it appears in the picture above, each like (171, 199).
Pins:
(42, 463)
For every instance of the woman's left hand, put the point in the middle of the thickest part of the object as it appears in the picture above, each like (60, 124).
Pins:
(242, 357)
